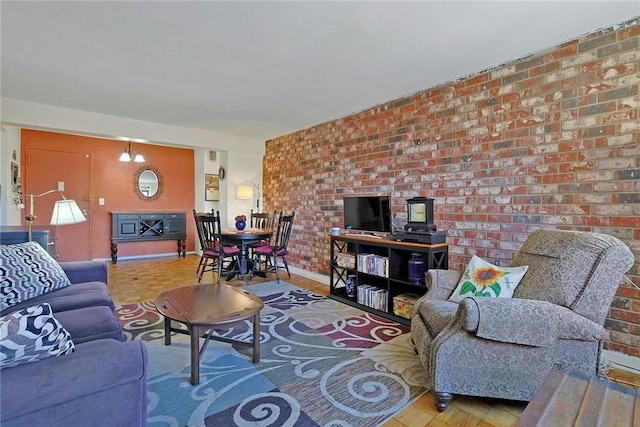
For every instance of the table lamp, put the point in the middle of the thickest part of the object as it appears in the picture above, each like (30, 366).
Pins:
(65, 211)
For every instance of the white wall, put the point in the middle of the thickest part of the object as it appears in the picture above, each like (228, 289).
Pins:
(240, 156)
(10, 213)
(208, 167)
(237, 172)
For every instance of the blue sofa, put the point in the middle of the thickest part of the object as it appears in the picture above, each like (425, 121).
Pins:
(102, 383)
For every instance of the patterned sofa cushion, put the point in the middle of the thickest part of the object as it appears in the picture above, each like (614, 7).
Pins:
(27, 271)
(32, 334)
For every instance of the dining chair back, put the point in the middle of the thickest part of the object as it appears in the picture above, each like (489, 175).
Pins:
(201, 238)
(271, 256)
(214, 253)
(262, 220)
(283, 233)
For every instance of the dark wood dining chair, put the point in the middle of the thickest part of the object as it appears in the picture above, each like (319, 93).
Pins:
(262, 220)
(267, 258)
(200, 238)
(214, 253)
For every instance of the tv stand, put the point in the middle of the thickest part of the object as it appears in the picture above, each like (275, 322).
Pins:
(370, 236)
(362, 233)
(393, 277)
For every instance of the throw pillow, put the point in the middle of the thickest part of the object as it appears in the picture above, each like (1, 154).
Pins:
(27, 271)
(483, 279)
(32, 334)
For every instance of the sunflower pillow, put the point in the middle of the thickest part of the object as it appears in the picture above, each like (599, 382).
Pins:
(483, 279)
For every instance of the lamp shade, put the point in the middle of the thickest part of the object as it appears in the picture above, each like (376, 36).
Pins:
(66, 212)
(125, 156)
(244, 192)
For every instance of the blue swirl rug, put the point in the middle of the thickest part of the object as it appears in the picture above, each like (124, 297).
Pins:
(323, 363)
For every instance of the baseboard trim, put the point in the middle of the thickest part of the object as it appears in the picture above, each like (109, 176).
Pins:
(133, 257)
(622, 361)
(310, 275)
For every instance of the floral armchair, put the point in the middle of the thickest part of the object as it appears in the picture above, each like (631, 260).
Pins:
(504, 347)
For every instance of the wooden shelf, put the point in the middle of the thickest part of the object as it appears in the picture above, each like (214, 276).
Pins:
(397, 256)
(343, 298)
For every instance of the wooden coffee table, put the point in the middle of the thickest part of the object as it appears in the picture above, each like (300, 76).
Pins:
(202, 308)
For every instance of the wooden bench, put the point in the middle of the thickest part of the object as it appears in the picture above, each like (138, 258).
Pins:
(572, 399)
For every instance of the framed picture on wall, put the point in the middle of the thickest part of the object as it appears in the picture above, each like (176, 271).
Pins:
(15, 177)
(211, 187)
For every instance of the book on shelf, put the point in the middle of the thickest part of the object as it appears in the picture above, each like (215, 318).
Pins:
(373, 264)
(373, 297)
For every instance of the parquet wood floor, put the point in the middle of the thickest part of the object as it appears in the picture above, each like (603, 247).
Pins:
(142, 280)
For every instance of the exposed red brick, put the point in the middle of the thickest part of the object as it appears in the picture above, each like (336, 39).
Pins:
(630, 32)
(626, 222)
(593, 221)
(544, 69)
(532, 82)
(566, 50)
(626, 316)
(484, 77)
(539, 147)
(619, 116)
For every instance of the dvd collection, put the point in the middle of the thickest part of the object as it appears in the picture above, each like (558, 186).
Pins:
(373, 297)
(373, 264)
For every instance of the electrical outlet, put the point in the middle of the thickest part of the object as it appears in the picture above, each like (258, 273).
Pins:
(60, 185)
(101, 201)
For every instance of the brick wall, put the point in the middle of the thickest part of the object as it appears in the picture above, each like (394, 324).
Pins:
(547, 141)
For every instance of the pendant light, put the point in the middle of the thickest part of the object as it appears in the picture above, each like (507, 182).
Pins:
(126, 155)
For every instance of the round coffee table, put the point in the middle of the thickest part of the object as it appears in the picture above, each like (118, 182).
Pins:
(204, 307)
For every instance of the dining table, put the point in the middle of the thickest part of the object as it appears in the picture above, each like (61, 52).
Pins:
(243, 239)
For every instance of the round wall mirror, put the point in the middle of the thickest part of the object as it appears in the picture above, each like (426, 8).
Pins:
(147, 183)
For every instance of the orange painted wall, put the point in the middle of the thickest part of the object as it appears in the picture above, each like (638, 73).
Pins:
(113, 181)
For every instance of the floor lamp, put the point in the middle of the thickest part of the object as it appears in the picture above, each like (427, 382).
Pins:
(245, 192)
(65, 211)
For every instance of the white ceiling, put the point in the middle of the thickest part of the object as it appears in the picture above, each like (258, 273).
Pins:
(265, 69)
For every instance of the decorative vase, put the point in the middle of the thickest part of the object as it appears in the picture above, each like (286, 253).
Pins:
(416, 269)
(351, 286)
(240, 225)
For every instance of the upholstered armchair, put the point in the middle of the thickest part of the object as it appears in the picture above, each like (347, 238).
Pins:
(504, 347)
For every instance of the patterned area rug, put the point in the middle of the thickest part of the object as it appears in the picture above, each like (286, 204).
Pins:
(323, 363)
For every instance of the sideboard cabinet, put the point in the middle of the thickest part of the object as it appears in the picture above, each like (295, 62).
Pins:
(379, 269)
(148, 226)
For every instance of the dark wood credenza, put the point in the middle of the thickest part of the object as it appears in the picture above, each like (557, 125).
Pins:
(148, 226)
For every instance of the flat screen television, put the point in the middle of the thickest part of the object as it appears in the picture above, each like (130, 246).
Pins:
(371, 213)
